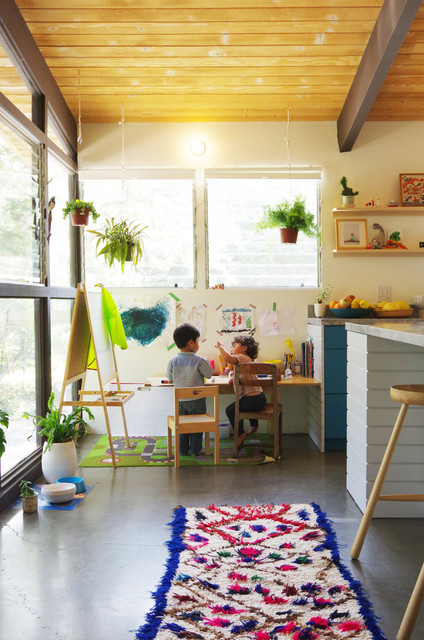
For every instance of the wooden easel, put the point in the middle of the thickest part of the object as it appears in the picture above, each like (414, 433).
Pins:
(89, 324)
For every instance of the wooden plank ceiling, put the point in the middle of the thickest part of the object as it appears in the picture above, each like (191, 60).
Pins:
(214, 61)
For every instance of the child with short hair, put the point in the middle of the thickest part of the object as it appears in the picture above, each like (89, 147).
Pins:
(252, 398)
(187, 369)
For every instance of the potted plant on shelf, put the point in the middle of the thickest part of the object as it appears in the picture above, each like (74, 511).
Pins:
(122, 241)
(80, 211)
(290, 218)
(28, 496)
(348, 193)
(320, 305)
(59, 457)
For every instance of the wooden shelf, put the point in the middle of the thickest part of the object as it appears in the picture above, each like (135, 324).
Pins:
(377, 253)
(378, 211)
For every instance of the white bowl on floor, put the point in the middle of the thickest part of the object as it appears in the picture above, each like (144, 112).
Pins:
(58, 492)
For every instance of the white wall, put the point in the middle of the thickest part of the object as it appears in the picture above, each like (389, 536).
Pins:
(382, 151)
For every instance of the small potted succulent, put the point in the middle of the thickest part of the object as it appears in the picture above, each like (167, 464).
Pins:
(122, 241)
(290, 218)
(80, 212)
(28, 496)
(348, 193)
(320, 305)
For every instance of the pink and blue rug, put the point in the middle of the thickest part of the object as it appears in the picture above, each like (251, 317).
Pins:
(261, 572)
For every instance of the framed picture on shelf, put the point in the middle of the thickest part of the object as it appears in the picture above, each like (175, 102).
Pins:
(351, 233)
(411, 189)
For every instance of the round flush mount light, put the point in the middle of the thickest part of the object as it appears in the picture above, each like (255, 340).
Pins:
(198, 147)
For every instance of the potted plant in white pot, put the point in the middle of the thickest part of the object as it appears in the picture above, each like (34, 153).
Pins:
(122, 241)
(28, 496)
(4, 422)
(80, 212)
(320, 305)
(348, 194)
(61, 431)
(290, 218)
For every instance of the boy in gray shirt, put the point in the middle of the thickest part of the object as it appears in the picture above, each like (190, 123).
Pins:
(187, 369)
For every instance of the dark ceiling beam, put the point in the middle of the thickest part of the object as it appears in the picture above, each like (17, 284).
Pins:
(20, 46)
(390, 30)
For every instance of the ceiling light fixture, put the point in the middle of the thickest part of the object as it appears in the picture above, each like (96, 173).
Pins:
(198, 147)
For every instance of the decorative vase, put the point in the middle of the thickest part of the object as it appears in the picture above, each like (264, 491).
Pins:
(79, 219)
(289, 236)
(319, 309)
(59, 461)
(30, 503)
(348, 201)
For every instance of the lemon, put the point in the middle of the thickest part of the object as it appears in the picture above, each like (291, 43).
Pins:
(390, 306)
(381, 304)
(401, 304)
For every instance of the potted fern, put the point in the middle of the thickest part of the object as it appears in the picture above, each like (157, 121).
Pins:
(4, 422)
(290, 218)
(59, 458)
(320, 305)
(122, 241)
(80, 212)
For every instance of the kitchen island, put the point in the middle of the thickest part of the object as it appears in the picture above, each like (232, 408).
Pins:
(381, 354)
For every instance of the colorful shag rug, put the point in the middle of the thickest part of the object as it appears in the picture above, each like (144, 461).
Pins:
(151, 451)
(263, 572)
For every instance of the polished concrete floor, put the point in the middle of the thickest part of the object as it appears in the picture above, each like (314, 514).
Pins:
(87, 574)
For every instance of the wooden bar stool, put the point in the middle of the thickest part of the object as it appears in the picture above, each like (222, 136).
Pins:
(406, 395)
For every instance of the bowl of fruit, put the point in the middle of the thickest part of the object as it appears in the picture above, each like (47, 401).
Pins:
(398, 309)
(350, 307)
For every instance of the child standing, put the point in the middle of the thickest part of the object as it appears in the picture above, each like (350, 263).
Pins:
(252, 397)
(189, 370)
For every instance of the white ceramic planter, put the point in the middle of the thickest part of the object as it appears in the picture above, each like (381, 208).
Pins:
(59, 461)
(348, 201)
(319, 309)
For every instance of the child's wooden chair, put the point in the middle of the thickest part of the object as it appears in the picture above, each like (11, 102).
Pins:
(194, 423)
(272, 411)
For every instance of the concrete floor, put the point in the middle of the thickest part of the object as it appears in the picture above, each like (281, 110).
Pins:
(87, 574)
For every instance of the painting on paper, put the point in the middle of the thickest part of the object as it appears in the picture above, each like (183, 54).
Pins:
(148, 320)
(195, 315)
(411, 189)
(237, 321)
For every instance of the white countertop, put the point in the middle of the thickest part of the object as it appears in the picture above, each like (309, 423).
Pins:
(409, 331)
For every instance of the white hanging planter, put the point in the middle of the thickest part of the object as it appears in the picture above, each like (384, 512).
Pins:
(59, 461)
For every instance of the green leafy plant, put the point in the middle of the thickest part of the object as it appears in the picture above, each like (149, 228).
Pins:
(347, 191)
(25, 490)
(4, 421)
(80, 204)
(59, 427)
(289, 215)
(122, 241)
(325, 293)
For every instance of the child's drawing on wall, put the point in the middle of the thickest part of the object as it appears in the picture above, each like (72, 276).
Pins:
(195, 315)
(149, 321)
(237, 321)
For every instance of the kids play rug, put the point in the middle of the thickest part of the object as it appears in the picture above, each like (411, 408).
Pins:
(151, 451)
(262, 572)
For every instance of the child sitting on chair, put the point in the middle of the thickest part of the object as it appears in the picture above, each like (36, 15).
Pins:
(189, 370)
(252, 397)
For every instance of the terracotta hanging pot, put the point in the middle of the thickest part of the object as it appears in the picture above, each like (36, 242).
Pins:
(289, 236)
(78, 218)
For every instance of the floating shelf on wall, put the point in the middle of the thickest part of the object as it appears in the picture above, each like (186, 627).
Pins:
(378, 211)
(377, 253)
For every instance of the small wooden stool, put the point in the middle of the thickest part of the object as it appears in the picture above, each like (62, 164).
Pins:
(405, 394)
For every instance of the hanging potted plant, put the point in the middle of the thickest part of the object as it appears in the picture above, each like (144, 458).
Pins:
(80, 212)
(348, 193)
(4, 422)
(290, 218)
(28, 496)
(122, 241)
(320, 305)
(59, 457)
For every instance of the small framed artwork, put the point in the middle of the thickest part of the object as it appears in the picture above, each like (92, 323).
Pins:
(411, 189)
(351, 233)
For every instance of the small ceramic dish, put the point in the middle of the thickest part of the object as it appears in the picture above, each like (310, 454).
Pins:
(58, 492)
(78, 482)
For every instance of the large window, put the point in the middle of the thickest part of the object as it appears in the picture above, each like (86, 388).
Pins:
(20, 230)
(58, 229)
(238, 255)
(166, 207)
